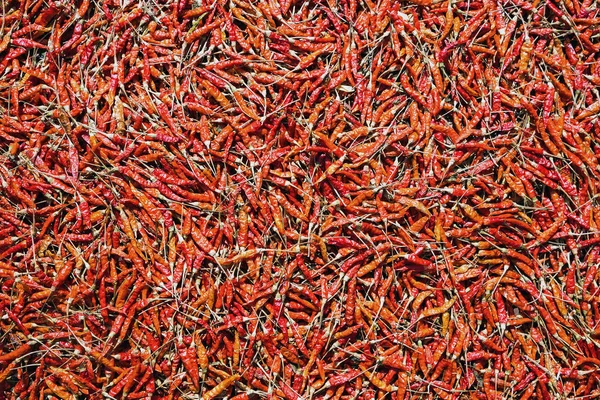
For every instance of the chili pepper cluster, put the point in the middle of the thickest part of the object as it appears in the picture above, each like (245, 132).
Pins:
(288, 199)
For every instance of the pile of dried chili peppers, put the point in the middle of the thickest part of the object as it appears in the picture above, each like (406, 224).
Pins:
(299, 199)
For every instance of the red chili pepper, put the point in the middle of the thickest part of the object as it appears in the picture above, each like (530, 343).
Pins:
(306, 160)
